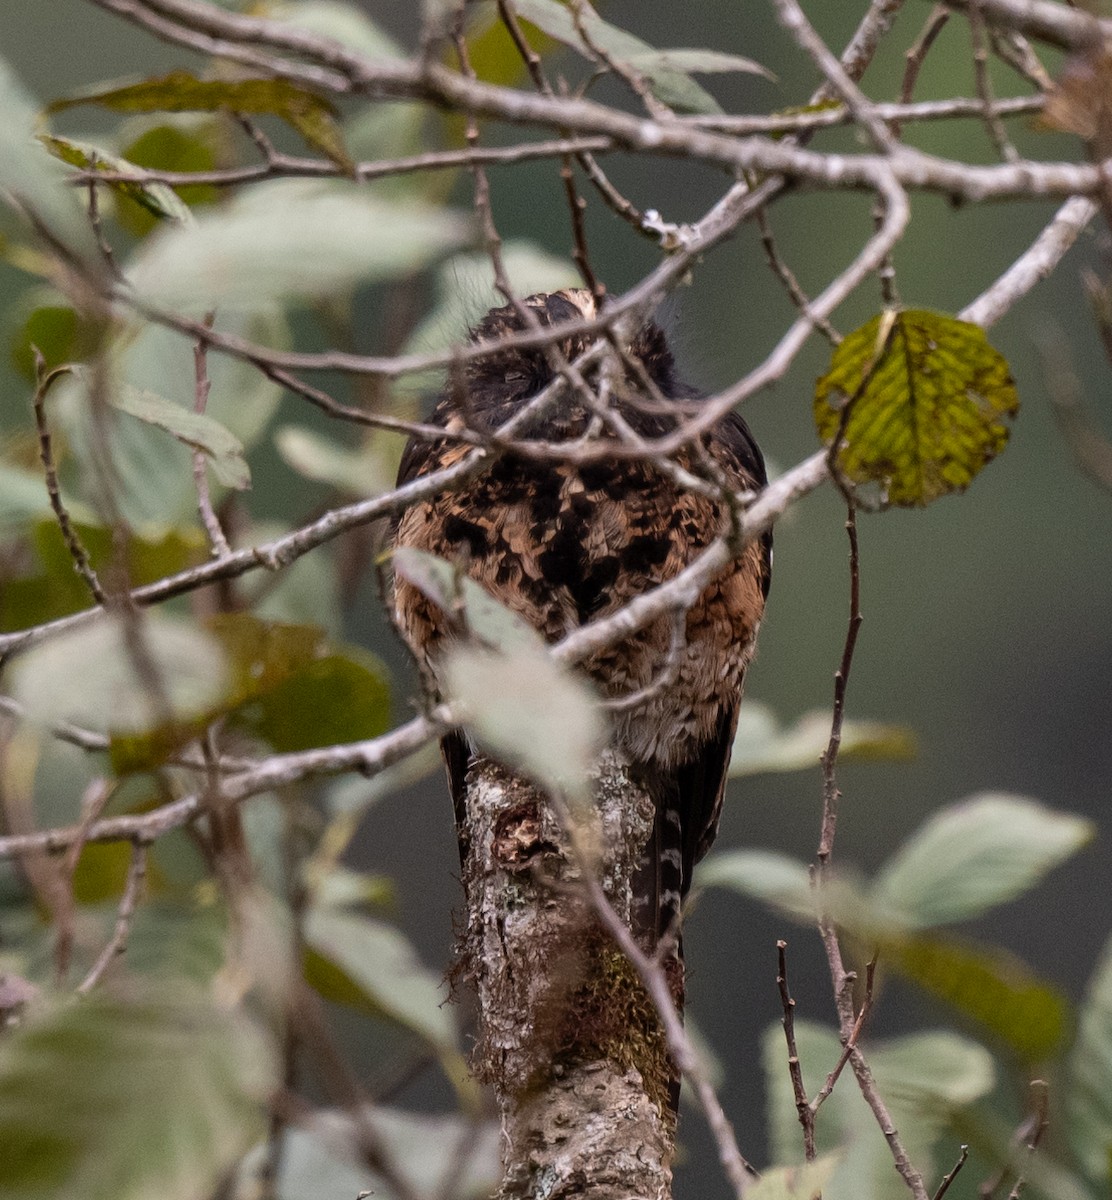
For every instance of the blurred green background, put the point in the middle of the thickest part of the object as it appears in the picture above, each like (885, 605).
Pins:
(987, 623)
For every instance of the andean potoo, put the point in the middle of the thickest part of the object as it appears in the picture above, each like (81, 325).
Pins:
(563, 544)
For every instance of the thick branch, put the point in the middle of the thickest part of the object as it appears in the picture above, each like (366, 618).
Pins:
(568, 1037)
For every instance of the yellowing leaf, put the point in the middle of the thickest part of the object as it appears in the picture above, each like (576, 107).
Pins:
(155, 198)
(992, 988)
(313, 117)
(916, 402)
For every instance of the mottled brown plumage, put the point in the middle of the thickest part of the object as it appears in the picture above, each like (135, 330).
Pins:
(563, 545)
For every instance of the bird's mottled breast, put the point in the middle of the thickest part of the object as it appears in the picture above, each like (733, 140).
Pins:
(562, 545)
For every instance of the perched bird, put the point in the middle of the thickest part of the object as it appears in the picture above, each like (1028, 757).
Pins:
(563, 544)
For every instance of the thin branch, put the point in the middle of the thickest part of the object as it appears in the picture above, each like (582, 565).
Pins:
(824, 1093)
(951, 1175)
(217, 540)
(795, 1070)
(77, 551)
(993, 124)
(793, 18)
(894, 113)
(1034, 264)
(791, 285)
(133, 889)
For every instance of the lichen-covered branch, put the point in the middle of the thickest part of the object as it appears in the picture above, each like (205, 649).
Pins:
(568, 1037)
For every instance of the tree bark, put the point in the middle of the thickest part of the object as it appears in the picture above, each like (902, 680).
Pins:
(568, 1038)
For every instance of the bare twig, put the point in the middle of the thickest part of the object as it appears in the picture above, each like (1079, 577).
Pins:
(795, 1070)
(217, 540)
(993, 124)
(791, 285)
(951, 1175)
(70, 536)
(133, 889)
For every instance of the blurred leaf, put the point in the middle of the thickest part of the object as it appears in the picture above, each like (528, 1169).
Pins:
(766, 875)
(59, 335)
(156, 199)
(926, 394)
(264, 654)
(1081, 100)
(365, 964)
(56, 589)
(762, 744)
(341, 887)
(466, 601)
(155, 474)
(311, 115)
(975, 855)
(101, 872)
(923, 1077)
(307, 590)
(339, 698)
(804, 1182)
(23, 497)
(355, 471)
(180, 938)
(343, 23)
(531, 712)
(198, 431)
(672, 87)
(188, 662)
(1089, 1094)
(291, 239)
(696, 62)
(431, 1151)
(184, 145)
(990, 987)
(36, 181)
(112, 1099)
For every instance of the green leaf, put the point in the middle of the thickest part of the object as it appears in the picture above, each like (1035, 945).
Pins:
(114, 1099)
(916, 401)
(313, 117)
(23, 497)
(335, 699)
(58, 334)
(198, 431)
(154, 472)
(56, 589)
(804, 1182)
(113, 693)
(187, 145)
(467, 602)
(975, 855)
(155, 198)
(672, 87)
(34, 180)
(990, 987)
(766, 875)
(531, 712)
(1089, 1095)
(327, 1161)
(367, 964)
(358, 472)
(291, 239)
(762, 744)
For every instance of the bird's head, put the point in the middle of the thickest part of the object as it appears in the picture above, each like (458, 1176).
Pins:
(518, 372)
